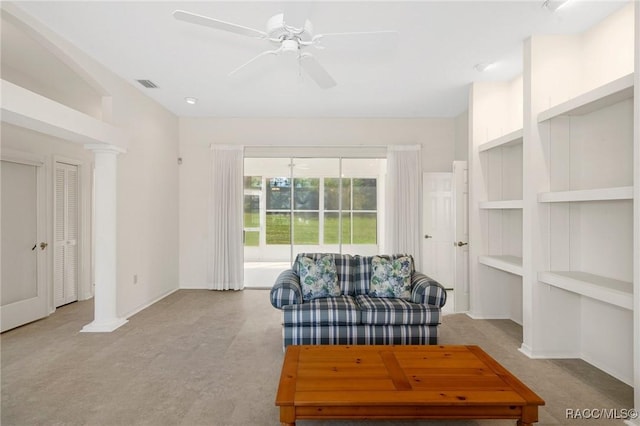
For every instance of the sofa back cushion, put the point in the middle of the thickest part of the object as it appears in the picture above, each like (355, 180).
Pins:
(363, 270)
(391, 278)
(318, 278)
(344, 268)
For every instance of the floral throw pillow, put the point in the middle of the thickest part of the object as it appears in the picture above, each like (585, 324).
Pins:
(318, 278)
(391, 278)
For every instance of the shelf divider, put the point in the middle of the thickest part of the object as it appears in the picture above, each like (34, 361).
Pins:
(511, 264)
(510, 139)
(614, 292)
(593, 100)
(599, 194)
(502, 204)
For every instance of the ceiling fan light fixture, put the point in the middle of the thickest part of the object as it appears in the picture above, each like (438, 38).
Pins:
(290, 46)
(554, 5)
(191, 100)
(484, 66)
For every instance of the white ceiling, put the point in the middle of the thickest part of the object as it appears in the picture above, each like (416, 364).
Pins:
(424, 72)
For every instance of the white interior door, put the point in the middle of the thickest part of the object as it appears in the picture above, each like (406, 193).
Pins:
(23, 296)
(461, 252)
(65, 263)
(437, 247)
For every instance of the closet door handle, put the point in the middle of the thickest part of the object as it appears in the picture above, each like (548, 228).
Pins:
(460, 244)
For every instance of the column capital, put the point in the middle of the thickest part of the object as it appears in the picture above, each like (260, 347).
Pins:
(105, 148)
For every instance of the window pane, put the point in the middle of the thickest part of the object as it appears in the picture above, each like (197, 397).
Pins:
(279, 193)
(252, 238)
(306, 193)
(331, 227)
(331, 191)
(364, 194)
(305, 228)
(364, 228)
(251, 211)
(278, 228)
(253, 182)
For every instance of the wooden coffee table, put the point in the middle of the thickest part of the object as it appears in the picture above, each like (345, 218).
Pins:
(400, 382)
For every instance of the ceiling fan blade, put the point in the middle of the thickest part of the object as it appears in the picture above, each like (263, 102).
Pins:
(316, 71)
(194, 18)
(266, 53)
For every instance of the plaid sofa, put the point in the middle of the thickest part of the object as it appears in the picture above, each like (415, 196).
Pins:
(355, 317)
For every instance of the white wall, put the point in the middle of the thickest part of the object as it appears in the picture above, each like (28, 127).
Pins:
(147, 211)
(462, 137)
(436, 136)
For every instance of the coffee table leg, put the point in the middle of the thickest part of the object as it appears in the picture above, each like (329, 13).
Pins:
(529, 415)
(287, 416)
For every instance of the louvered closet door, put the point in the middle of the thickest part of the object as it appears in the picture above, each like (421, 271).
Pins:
(66, 235)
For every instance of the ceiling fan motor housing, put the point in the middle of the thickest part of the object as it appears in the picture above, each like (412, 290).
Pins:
(278, 29)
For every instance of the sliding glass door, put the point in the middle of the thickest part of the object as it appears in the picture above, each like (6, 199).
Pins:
(296, 205)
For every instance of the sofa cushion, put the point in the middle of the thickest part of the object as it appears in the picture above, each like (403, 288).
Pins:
(386, 311)
(391, 278)
(318, 278)
(343, 267)
(362, 271)
(325, 311)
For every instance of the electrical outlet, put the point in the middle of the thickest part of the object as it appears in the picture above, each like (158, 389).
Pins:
(135, 278)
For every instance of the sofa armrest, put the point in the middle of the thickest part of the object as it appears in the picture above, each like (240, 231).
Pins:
(286, 290)
(427, 291)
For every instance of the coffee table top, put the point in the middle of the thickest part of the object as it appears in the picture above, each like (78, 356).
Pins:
(398, 375)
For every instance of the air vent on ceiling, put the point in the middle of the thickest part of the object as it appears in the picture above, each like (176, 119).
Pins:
(148, 84)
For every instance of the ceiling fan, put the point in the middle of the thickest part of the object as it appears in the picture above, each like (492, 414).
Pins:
(287, 39)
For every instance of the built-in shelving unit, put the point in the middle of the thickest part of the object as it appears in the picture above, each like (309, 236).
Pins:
(582, 182)
(496, 155)
(601, 116)
(552, 197)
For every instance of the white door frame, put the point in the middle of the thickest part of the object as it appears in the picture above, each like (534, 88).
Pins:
(28, 310)
(461, 231)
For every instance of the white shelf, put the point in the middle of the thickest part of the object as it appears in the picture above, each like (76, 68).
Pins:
(600, 194)
(509, 139)
(614, 292)
(511, 264)
(503, 204)
(593, 100)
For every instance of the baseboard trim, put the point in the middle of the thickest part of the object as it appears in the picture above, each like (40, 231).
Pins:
(488, 317)
(146, 305)
(104, 326)
(617, 374)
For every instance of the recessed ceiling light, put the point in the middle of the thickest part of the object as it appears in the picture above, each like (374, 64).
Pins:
(554, 5)
(484, 66)
(190, 100)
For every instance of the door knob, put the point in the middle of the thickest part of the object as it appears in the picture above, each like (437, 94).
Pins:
(460, 244)
(428, 236)
(43, 245)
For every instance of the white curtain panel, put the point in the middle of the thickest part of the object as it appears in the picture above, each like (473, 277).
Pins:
(402, 204)
(226, 257)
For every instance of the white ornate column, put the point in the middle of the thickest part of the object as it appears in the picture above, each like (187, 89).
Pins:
(105, 196)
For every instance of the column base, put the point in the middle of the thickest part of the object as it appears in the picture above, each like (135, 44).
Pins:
(105, 326)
